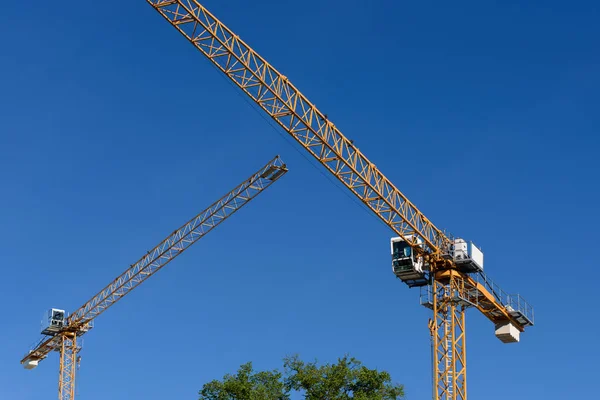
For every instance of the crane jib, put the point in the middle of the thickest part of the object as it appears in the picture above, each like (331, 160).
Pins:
(276, 95)
(78, 322)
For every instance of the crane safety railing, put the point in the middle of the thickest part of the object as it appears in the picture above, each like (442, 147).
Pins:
(514, 303)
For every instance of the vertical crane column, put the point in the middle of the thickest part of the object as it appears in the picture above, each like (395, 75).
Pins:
(448, 337)
(68, 357)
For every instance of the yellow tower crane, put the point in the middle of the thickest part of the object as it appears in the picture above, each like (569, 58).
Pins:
(62, 332)
(449, 270)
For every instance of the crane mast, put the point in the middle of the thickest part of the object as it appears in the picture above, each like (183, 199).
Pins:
(62, 334)
(448, 287)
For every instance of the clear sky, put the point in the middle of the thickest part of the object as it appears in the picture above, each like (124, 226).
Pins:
(114, 131)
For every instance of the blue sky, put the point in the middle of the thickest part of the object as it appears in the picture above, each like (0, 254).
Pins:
(114, 131)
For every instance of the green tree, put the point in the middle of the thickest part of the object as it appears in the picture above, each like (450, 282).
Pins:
(246, 385)
(345, 380)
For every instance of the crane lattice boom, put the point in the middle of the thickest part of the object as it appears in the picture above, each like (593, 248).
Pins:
(79, 321)
(275, 94)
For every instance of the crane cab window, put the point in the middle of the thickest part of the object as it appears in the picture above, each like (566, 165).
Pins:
(402, 250)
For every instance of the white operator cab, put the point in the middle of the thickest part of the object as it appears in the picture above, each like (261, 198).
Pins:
(406, 265)
(467, 256)
(54, 321)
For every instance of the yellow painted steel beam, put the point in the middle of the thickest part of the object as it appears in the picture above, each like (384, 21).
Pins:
(478, 296)
(68, 365)
(79, 322)
(449, 344)
(276, 95)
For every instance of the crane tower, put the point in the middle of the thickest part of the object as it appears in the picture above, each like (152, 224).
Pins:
(448, 270)
(62, 332)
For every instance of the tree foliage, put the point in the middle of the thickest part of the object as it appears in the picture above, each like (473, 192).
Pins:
(345, 380)
(246, 385)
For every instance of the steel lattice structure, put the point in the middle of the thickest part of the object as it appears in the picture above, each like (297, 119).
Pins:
(80, 321)
(452, 291)
(275, 94)
(448, 336)
(68, 358)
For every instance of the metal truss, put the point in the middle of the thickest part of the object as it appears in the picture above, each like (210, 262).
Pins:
(80, 321)
(449, 345)
(68, 365)
(276, 95)
(291, 110)
(174, 245)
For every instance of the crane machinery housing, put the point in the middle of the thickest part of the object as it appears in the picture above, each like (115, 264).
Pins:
(448, 270)
(62, 332)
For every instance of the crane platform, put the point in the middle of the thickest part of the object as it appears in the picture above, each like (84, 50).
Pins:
(477, 295)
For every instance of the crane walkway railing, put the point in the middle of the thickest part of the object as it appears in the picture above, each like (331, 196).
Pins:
(513, 302)
(470, 295)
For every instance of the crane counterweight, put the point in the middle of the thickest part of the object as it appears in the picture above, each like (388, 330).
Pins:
(31, 363)
(507, 332)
